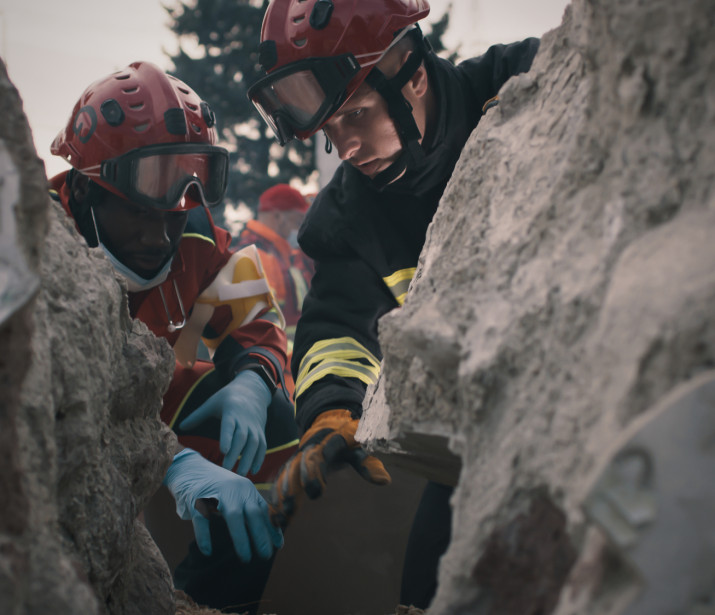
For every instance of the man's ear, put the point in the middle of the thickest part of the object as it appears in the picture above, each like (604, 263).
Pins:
(418, 82)
(79, 187)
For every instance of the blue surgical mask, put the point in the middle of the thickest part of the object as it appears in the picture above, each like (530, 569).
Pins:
(293, 238)
(135, 282)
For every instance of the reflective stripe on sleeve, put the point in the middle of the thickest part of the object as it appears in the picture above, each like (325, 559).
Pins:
(342, 356)
(399, 282)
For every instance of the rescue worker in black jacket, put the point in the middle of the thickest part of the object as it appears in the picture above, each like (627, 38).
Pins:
(399, 117)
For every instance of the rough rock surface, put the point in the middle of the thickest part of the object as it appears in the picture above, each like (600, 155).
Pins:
(567, 283)
(81, 443)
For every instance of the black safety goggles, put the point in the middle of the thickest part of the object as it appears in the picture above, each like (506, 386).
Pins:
(297, 99)
(159, 176)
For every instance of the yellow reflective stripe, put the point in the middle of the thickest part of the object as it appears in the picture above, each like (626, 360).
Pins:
(399, 282)
(199, 236)
(282, 447)
(188, 394)
(339, 343)
(347, 369)
(347, 355)
(400, 276)
(335, 348)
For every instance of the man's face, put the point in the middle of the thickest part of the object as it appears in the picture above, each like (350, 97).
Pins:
(291, 222)
(363, 132)
(142, 238)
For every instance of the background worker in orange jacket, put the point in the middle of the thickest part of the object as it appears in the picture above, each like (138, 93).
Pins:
(142, 145)
(281, 210)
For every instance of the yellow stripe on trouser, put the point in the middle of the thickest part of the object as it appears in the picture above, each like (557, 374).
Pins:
(399, 282)
(338, 357)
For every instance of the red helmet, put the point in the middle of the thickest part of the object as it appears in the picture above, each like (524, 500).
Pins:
(282, 197)
(148, 137)
(318, 52)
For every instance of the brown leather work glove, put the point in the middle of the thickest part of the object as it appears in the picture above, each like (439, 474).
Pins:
(328, 444)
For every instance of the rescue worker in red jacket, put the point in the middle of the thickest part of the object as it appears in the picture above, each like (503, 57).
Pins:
(145, 167)
(399, 117)
(281, 210)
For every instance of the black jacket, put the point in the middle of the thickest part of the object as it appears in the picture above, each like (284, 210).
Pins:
(366, 243)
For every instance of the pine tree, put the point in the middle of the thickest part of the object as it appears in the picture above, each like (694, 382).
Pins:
(218, 57)
(438, 30)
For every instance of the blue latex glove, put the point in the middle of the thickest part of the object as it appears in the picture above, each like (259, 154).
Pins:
(191, 477)
(242, 406)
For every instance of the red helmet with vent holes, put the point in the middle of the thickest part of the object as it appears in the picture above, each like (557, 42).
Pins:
(148, 137)
(316, 53)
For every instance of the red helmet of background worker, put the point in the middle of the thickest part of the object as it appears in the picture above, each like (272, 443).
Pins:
(316, 54)
(148, 138)
(282, 197)
(283, 208)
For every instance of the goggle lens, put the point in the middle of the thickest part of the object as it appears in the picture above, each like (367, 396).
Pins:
(165, 178)
(160, 175)
(296, 100)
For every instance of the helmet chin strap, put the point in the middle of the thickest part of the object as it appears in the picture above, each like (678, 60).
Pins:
(400, 110)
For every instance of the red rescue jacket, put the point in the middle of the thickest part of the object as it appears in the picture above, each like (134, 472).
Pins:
(202, 253)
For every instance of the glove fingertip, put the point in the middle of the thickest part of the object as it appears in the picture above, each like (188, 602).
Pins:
(277, 537)
(244, 557)
(202, 533)
(257, 464)
(205, 547)
(225, 441)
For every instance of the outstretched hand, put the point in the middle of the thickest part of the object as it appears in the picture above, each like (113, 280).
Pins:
(327, 445)
(242, 407)
(192, 479)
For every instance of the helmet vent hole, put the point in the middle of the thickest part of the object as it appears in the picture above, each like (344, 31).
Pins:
(122, 77)
(192, 106)
(197, 129)
(297, 20)
(141, 127)
(131, 90)
(183, 90)
(300, 42)
(136, 106)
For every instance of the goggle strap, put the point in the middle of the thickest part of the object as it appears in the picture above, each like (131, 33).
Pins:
(391, 173)
(284, 129)
(400, 111)
(398, 106)
(409, 68)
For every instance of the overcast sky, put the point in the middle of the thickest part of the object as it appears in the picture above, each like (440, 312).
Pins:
(55, 48)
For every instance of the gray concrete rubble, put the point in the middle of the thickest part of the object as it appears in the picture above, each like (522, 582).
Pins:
(80, 437)
(566, 287)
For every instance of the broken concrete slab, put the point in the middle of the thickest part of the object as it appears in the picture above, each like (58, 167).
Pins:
(566, 286)
(83, 447)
